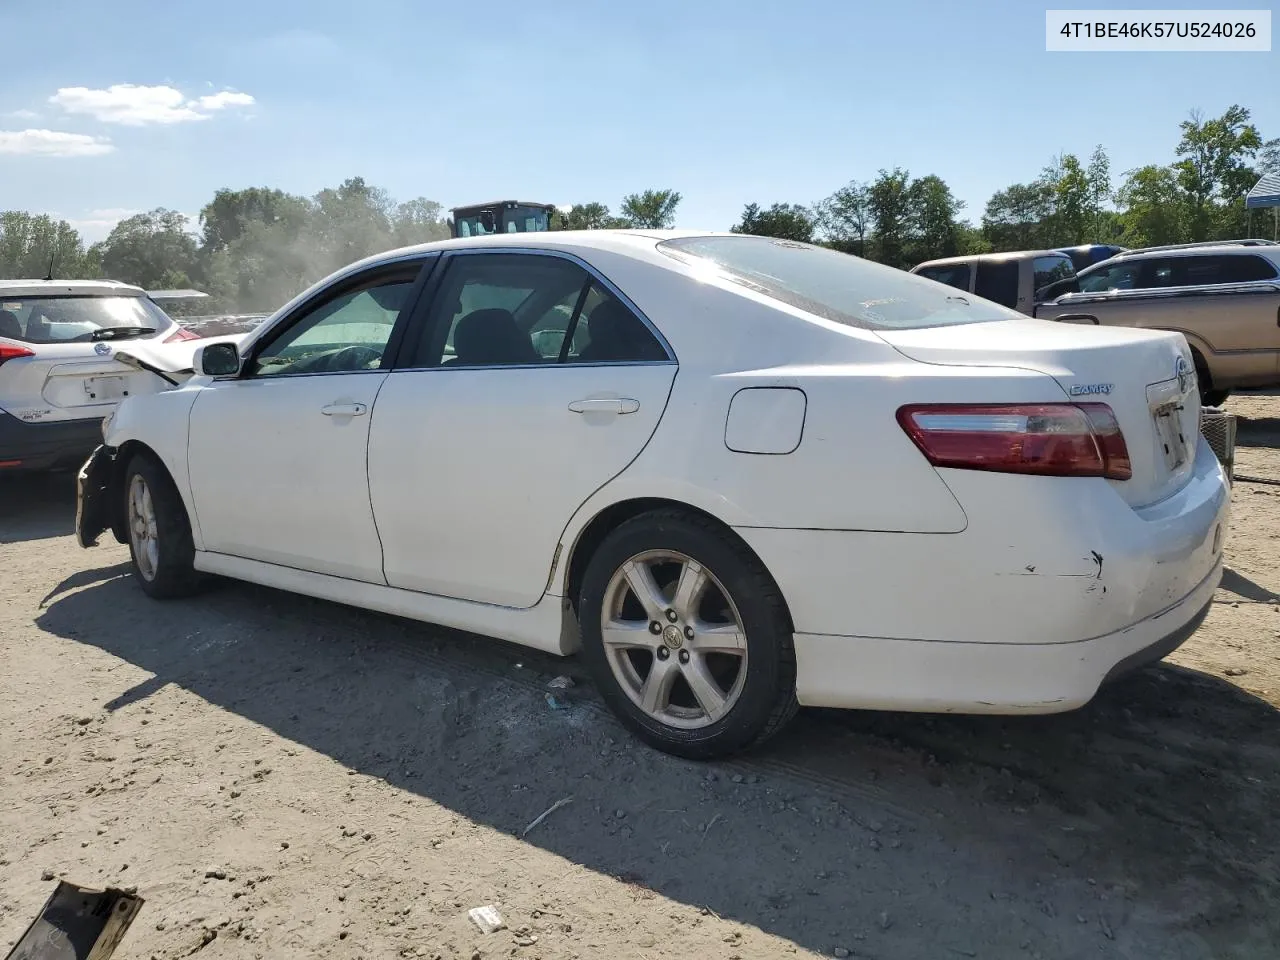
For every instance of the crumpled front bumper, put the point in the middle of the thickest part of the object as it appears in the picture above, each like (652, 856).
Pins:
(93, 496)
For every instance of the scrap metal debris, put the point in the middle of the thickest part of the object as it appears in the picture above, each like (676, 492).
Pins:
(487, 918)
(78, 923)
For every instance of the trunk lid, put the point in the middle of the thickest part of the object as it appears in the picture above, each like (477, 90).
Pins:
(1145, 376)
(92, 383)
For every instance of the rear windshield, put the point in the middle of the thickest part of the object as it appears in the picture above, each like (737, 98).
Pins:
(76, 319)
(835, 286)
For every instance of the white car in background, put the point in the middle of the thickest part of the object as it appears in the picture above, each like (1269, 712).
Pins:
(738, 474)
(59, 373)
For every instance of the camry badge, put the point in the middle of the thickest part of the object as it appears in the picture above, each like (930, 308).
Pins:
(1090, 389)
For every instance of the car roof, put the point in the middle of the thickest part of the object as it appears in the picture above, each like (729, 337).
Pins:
(69, 288)
(1006, 255)
(1230, 249)
(629, 242)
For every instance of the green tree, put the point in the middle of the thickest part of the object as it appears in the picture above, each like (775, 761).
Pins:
(1098, 176)
(32, 245)
(933, 228)
(786, 221)
(889, 209)
(651, 210)
(1152, 209)
(1215, 164)
(1072, 214)
(418, 221)
(151, 249)
(224, 219)
(1016, 218)
(844, 218)
(588, 216)
(1268, 158)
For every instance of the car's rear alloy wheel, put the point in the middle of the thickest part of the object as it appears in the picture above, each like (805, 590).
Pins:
(160, 541)
(679, 651)
(687, 636)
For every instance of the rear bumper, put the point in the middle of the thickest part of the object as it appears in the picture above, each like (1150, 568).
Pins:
(877, 673)
(46, 446)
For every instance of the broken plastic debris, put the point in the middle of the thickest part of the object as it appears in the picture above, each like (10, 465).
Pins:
(561, 682)
(487, 918)
(556, 703)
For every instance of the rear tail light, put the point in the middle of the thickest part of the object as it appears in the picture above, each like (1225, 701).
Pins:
(9, 351)
(1048, 439)
(182, 333)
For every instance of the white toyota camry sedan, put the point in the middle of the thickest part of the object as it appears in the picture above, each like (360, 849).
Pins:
(737, 474)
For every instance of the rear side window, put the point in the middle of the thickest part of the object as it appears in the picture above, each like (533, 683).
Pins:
(1224, 269)
(953, 275)
(998, 281)
(835, 286)
(1248, 269)
(515, 309)
(1050, 270)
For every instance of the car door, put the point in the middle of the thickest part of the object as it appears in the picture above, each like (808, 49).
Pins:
(484, 444)
(278, 453)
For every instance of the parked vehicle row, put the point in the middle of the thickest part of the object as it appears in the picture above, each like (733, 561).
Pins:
(727, 468)
(58, 373)
(1223, 297)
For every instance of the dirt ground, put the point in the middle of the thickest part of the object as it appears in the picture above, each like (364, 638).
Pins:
(283, 777)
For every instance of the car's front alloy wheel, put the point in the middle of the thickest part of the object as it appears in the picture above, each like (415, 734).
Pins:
(144, 533)
(687, 636)
(160, 542)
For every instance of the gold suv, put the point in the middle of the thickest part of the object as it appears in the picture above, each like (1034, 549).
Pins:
(1224, 298)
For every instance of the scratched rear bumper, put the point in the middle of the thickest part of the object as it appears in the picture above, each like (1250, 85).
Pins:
(877, 673)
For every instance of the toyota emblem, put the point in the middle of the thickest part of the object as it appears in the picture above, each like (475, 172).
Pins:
(1184, 372)
(102, 349)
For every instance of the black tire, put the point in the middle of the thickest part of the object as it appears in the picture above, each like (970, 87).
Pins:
(1209, 397)
(767, 697)
(174, 574)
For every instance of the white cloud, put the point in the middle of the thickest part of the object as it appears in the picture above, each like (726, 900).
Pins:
(52, 143)
(136, 105)
(97, 224)
(227, 98)
(24, 114)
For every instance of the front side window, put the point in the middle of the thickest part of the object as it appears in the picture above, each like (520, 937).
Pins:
(953, 275)
(1124, 275)
(80, 319)
(1049, 270)
(345, 334)
(506, 309)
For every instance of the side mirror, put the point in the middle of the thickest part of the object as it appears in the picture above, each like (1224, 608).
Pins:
(218, 360)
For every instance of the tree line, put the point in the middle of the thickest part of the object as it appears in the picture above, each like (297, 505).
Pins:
(255, 248)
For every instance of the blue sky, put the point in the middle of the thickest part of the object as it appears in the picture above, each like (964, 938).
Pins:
(571, 100)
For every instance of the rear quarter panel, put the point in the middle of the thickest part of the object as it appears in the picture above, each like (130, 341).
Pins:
(854, 467)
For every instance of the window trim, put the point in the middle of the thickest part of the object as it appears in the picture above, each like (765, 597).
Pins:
(423, 267)
(425, 330)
